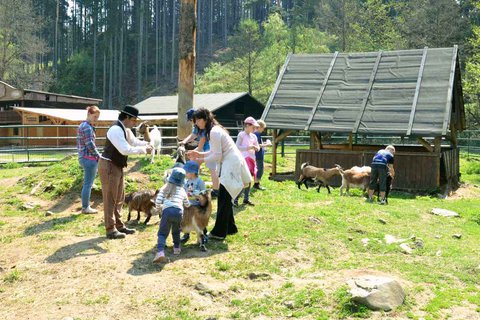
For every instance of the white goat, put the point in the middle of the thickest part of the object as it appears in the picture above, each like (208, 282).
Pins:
(355, 177)
(154, 137)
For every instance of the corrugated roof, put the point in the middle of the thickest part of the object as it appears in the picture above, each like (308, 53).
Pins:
(169, 104)
(76, 115)
(407, 92)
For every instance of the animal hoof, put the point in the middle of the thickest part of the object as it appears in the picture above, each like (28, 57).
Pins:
(203, 248)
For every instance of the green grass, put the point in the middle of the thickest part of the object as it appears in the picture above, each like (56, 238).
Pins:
(300, 242)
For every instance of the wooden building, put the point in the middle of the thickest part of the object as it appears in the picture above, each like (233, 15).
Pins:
(395, 96)
(230, 109)
(11, 97)
(58, 126)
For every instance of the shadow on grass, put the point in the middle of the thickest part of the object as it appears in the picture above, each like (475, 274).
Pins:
(79, 249)
(143, 264)
(50, 224)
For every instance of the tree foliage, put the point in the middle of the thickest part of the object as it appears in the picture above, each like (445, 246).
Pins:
(20, 45)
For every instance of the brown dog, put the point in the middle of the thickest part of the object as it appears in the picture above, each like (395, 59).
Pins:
(141, 201)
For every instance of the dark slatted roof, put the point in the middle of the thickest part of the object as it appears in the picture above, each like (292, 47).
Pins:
(407, 92)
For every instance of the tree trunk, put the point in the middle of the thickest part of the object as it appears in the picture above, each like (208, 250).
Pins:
(139, 52)
(186, 54)
(174, 22)
(164, 37)
(157, 42)
(94, 27)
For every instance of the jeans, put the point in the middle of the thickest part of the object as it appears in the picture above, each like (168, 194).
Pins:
(260, 168)
(171, 219)
(89, 172)
(379, 173)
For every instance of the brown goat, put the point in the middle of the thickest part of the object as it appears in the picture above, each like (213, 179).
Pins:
(195, 218)
(141, 201)
(355, 177)
(319, 175)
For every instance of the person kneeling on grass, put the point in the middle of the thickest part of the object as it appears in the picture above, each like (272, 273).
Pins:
(382, 159)
(172, 197)
(193, 186)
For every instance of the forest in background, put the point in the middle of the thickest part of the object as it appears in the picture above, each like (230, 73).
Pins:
(126, 50)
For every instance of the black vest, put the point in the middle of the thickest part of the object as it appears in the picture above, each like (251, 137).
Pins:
(110, 152)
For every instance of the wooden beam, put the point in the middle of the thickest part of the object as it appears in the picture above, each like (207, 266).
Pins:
(274, 152)
(448, 106)
(315, 140)
(282, 136)
(425, 144)
(437, 144)
(417, 91)
(367, 95)
(322, 90)
(453, 136)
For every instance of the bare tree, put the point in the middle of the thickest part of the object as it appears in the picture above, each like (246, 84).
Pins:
(186, 50)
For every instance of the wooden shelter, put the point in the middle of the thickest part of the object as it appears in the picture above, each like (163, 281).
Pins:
(413, 95)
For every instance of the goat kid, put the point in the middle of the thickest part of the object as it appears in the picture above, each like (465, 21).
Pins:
(355, 177)
(141, 201)
(179, 162)
(153, 136)
(195, 218)
(319, 175)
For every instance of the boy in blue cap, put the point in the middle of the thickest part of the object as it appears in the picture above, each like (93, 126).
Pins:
(172, 197)
(193, 185)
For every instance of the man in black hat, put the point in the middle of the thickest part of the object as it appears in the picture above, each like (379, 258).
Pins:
(120, 143)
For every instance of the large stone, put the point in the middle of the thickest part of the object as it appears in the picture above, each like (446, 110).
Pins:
(376, 292)
(444, 212)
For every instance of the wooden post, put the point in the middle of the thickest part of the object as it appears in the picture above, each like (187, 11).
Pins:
(350, 141)
(274, 152)
(186, 70)
(315, 140)
(438, 144)
(453, 136)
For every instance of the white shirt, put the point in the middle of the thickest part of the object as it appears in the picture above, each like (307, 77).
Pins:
(220, 145)
(131, 145)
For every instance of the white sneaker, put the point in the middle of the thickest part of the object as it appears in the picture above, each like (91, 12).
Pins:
(160, 257)
(89, 210)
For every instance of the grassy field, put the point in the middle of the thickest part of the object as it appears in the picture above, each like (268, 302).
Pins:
(293, 253)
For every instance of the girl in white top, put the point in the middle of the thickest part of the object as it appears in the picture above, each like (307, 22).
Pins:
(232, 170)
(247, 143)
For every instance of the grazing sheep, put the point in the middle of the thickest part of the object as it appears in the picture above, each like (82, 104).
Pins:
(141, 201)
(355, 177)
(320, 175)
(195, 218)
(179, 162)
(154, 137)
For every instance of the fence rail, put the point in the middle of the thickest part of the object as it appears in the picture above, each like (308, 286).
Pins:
(29, 146)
